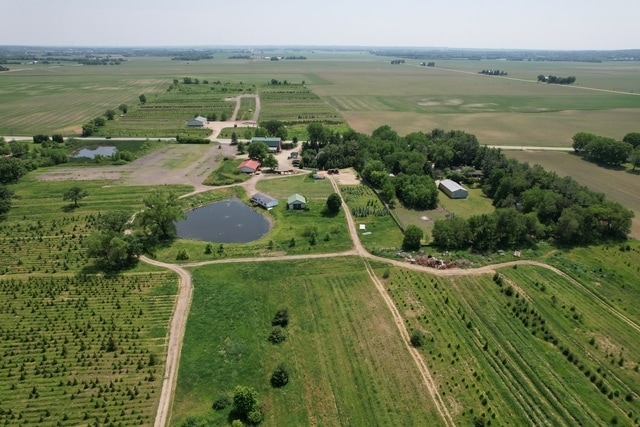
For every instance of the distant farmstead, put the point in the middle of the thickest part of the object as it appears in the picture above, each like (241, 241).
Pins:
(296, 202)
(249, 166)
(274, 144)
(453, 189)
(197, 121)
(264, 200)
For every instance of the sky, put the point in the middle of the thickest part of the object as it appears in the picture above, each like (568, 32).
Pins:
(482, 24)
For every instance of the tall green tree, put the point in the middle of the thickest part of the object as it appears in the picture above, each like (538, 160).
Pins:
(160, 212)
(333, 203)
(412, 238)
(258, 150)
(632, 138)
(270, 161)
(142, 98)
(75, 194)
(5, 199)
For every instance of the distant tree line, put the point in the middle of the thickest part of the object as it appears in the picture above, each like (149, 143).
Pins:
(192, 56)
(606, 150)
(428, 64)
(239, 57)
(494, 72)
(397, 61)
(101, 61)
(296, 58)
(531, 203)
(556, 80)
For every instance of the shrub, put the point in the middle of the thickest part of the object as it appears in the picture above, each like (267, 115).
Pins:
(281, 318)
(417, 338)
(221, 402)
(182, 255)
(277, 335)
(280, 376)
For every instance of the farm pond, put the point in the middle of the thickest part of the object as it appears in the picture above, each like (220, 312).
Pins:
(228, 221)
(91, 153)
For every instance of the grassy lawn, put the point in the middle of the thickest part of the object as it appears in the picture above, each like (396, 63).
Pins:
(227, 173)
(282, 188)
(347, 363)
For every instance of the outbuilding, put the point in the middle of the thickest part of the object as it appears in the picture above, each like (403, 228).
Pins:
(274, 144)
(453, 189)
(296, 202)
(249, 166)
(197, 121)
(264, 200)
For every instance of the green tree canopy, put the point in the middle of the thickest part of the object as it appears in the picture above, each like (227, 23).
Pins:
(258, 150)
(270, 161)
(5, 199)
(114, 220)
(412, 238)
(160, 213)
(75, 194)
(333, 203)
(245, 399)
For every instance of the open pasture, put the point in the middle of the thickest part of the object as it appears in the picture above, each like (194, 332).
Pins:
(347, 363)
(517, 350)
(618, 185)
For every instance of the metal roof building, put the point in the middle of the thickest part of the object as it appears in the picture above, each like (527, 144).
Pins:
(453, 189)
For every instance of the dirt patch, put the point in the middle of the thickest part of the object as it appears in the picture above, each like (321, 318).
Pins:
(347, 177)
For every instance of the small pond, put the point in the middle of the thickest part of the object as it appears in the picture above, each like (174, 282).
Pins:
(91, 153)
(229, 221)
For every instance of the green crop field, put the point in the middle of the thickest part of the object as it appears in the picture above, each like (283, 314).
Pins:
(363, 89)
(347, 363)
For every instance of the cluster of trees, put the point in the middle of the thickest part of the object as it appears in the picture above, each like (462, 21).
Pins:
(556, 80)
(94, 125)
(192, 56)
(397, 61)
(272, 128)
(494, 72)
(101, 61)
(260, 151)
(296, 58)
(532, 204)
(19, 157)
(3, 68)
(608, 151)
(428, 64)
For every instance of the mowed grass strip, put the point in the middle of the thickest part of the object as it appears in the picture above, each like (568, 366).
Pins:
(347, 362)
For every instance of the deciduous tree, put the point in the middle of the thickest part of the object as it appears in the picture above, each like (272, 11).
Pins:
(160, 213)
(333, 203)
(412, 238)
(75, 194)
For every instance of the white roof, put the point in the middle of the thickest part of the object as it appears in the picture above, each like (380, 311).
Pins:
(451, 185)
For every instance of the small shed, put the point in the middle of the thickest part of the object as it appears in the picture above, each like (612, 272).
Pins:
(318, 176)
(249, 166)
(264, 200)
(296, 202)
(274, 144)
(197, 121)
(453, 189)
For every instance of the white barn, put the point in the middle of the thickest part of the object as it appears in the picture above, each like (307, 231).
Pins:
(453, 189)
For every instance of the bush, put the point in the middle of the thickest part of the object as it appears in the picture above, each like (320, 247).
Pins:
(281, 318)
(417, 338)
(277, 335)
(221, 402)
(182, 255)
(280, 376)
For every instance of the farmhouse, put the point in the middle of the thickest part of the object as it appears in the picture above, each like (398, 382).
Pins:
(453, 189)
(264, 200)
(197, 121)
(274, 144)
(296, 202)
(249, 166)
